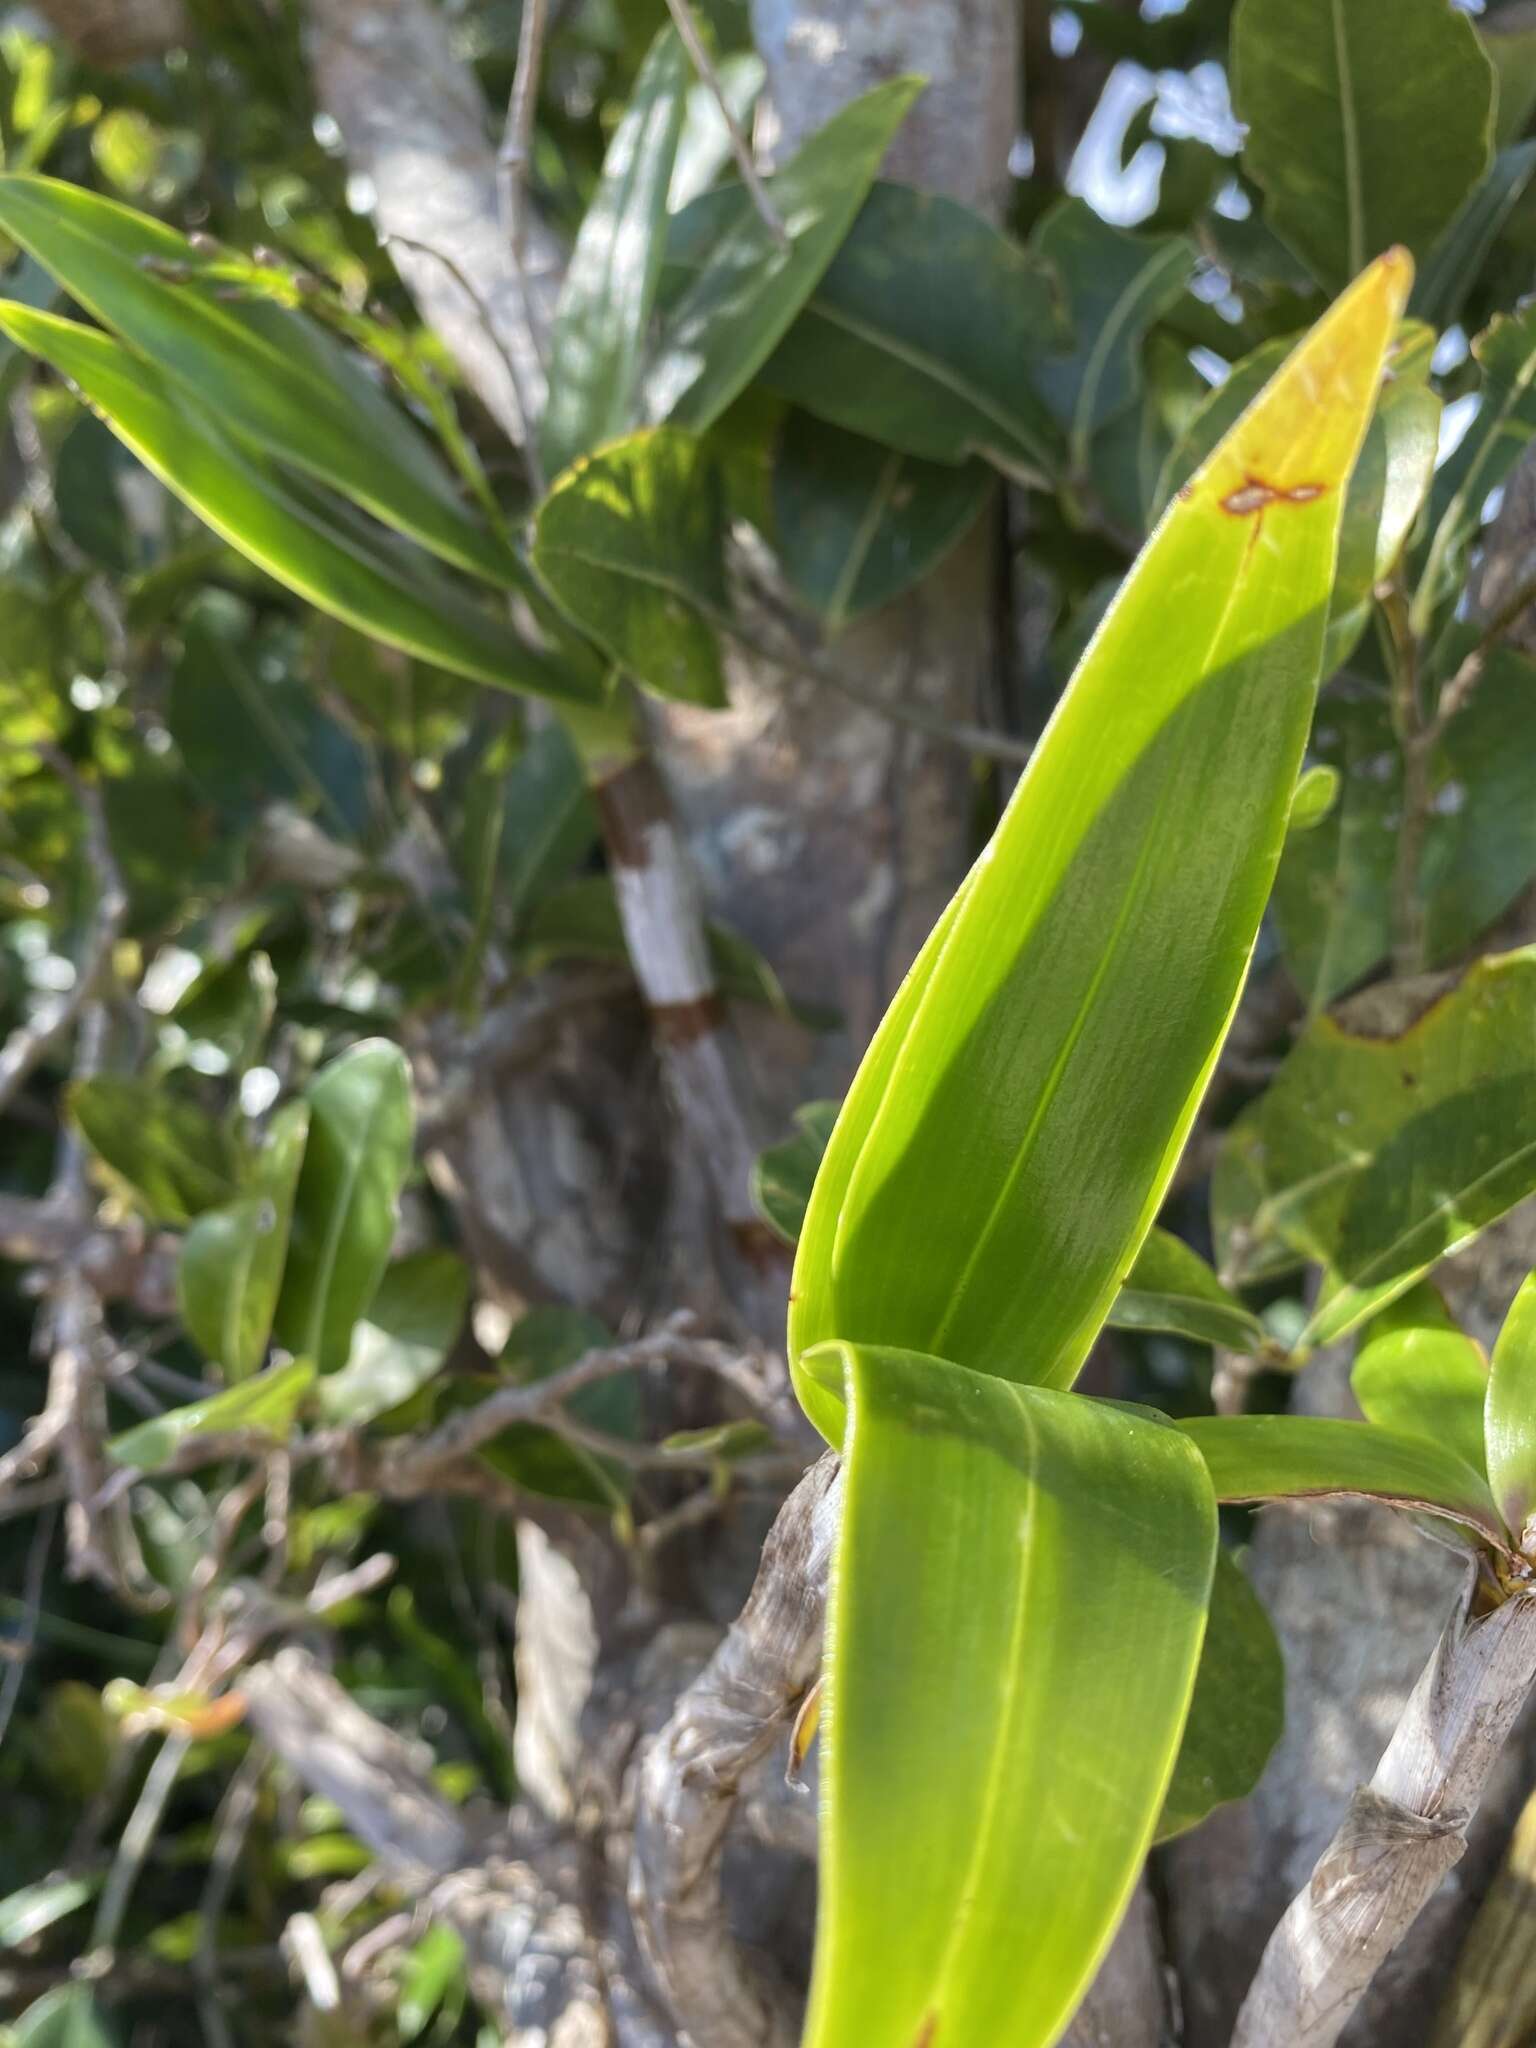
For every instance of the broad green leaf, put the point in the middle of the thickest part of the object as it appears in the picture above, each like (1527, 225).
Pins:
(610, 284)
(268, 1402)
(630, 545)
(37, 1906)
(750, 286)
(1510, 1419)
(361, 1124)
(1296, 1457)
(1005, 1145)
(857, 524)
(1504, 423)
(67, 2017)
(923, 335)
(1238, 1709)
(784, 1175)
(1393, 1133)
(1512, 51)
(1170, 1287)
(1116, 285)
(271, 376)
(231, 1267)
(322, 549)
(400, 1344)
(1418, 1374)
(1017, 1604)
(1451, 267)
(175, 1158)
(1360, 139)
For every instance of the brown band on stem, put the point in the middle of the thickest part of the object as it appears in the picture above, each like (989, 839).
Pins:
(629, 802)
(687, 1022)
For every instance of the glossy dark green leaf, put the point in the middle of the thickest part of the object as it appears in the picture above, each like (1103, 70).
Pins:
(784, 1175)
(176, 1159)
(1451, 267)
(321, 548)
(1510, 1416)
(610, 284)
(1018, 1599)
(1393, 1133)
(923, 335)
(857, 524)
(88, 496)
(399, 1345)
(270, 375)
(630, 544)
(1170, 1287)
(1004, 1147)
(1418, 1374)
(267, 1403)
(361, 1124)
(230, 1271)
(1116, 285)
(1298, 1457)
(1360, 139)
(1238, 1709)
(749, 285)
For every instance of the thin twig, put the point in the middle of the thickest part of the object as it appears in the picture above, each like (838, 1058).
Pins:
(20, 1647)
(138, 1836)
(688, 29)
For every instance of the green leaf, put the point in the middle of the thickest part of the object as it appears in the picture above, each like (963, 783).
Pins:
(1360, 139)
(361, 1124)
(400, 1345)
(783, 1175)
(923, 335)
(231, 1267)
(1510, 1419)
(1170, 1287)
(1008, 1669)
(541, 1342)
(1392, 1135)
(67, 2017)
(36, 1907)
(1057, 1032)
(268, 1402)
(320, 548)
(1418, 1374)
(704, 147)
(630, 545)
(271, 376)
(1238, 1709)
(176, 1159)
(1511, 47)
(1317, 791)
(610, 284)
(857, 524)
(1452, 266)
(750, 285)
(1117, 285)
(1297, 1457)
(433, 1970)
(1386, 493)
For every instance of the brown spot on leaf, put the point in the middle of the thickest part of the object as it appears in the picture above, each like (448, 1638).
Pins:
(927, 2031)
(1254, 495)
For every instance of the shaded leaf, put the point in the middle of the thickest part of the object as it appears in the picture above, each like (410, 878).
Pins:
(1358, 139)
(542, 1341)
(610, 283)
(783, 1175)
(1170, 1287)
(1451, 267)
(67, 2017)
(176, 1159)
(1007, 1676)
(361, 1125)
(401, 1343)
(1238, 1709)
(749, 286)
(230, 1270)
(268, 1402)
(857, 524)
(1058, 1029)
(1510, 1421)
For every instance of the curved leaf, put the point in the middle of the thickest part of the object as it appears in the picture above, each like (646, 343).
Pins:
(1510, 1421)
(399, 1346)
(322, 549)
(610, 283)
(1360, 138)
(750, 286)
(231, 1266)
(268, 1402)
(1007, 1675)
(1170, 1287)
(176, 1158)
(270, 376)
(1005, 1145)
(361, 1124)
(1296, 1457)
(1419, 1375)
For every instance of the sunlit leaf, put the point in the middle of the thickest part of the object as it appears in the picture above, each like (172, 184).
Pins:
(401, 1343)
(266, 1403)
(1005, 1145)
(37, 1906)
(231, 1266)
(1418, 1374)
(1510, 1424)
(176, 1158)
(1008, 1670)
